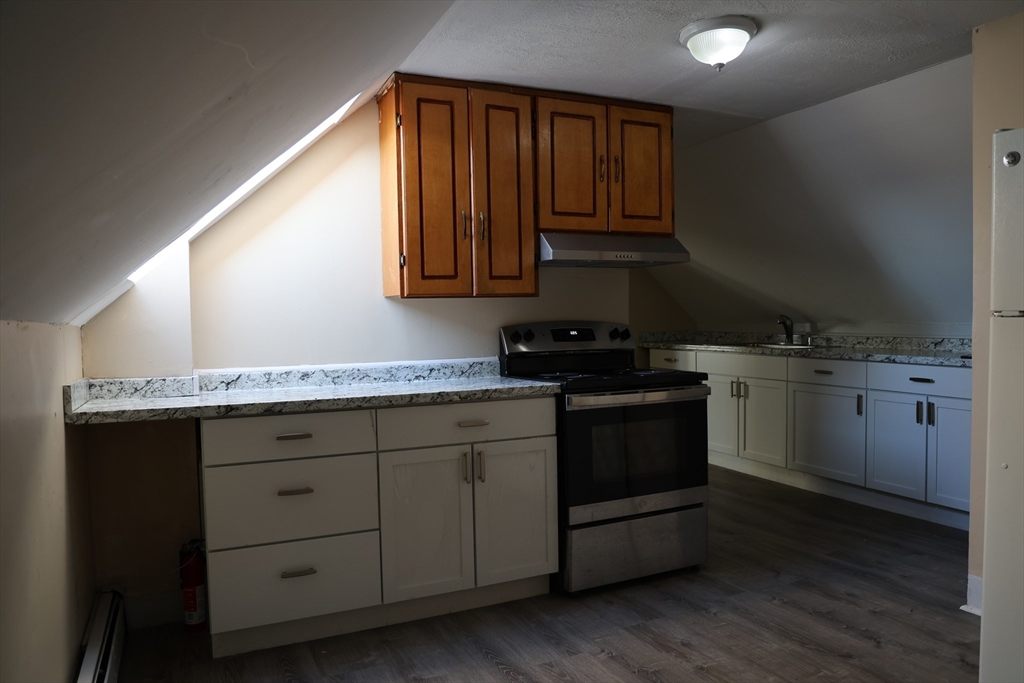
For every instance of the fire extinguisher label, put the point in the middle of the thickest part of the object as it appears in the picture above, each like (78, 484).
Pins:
(195, 605)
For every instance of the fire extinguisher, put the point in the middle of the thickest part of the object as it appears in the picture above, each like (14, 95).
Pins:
(193, 584)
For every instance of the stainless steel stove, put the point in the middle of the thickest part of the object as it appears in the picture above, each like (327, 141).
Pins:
(632, 451)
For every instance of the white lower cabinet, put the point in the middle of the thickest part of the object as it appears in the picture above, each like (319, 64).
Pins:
(897, 443)
(426, 522)
(827, 431)
(723, 415)
(762, 423)
(949, 452)
(432, 499)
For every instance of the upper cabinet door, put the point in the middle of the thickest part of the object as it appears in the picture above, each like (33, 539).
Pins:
(436, 201)
(572, 165)
(503, 230)
(640, 146)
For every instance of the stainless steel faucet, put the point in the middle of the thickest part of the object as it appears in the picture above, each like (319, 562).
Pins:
(787, 325)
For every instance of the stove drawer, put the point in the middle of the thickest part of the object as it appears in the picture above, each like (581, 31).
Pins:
(425, 426)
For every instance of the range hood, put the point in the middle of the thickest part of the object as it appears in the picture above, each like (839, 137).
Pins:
(609, 251)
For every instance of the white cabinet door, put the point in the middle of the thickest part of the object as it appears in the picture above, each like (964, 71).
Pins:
(949, 452)
(762, 433)
(516, 510)
(827, 431)
(722, 414)
(896, 454)
(426, 522)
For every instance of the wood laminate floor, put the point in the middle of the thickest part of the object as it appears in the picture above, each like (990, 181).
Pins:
(799, 587)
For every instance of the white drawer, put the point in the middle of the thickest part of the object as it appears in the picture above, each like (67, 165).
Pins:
(742, 365)
(674, 360)
(920, 379)
(322, 496)
(422, 426)
(278, 437)
(247, 588)
(836, 373)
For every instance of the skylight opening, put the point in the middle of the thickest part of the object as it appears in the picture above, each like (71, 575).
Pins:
(233, 199)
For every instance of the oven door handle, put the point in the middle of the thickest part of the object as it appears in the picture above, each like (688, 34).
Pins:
(638, 398)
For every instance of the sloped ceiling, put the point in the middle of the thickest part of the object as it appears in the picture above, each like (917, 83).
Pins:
(124, 122)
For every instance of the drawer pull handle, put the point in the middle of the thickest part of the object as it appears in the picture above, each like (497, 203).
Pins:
(475, 423)
(296, 492)
(920, 412)
(923, 380)
(297, 574)
(294, 436)
(822, 372)
(671, 360)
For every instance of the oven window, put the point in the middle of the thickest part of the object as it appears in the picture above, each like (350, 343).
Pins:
(621, 452)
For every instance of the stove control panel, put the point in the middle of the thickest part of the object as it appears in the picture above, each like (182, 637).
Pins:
(565, 336)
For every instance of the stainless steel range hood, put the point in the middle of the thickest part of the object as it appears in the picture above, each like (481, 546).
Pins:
(609, 251)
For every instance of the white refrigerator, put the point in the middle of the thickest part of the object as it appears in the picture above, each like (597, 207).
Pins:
(1002, 602)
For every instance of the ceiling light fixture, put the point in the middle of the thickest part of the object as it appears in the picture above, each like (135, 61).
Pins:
(717, 41)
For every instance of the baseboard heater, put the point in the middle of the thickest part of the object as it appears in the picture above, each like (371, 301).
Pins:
(104, 640)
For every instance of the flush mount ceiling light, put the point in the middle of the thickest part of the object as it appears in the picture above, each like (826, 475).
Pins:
(717, 41)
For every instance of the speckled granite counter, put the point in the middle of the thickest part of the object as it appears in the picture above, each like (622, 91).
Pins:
(909, 350)
(293, 390)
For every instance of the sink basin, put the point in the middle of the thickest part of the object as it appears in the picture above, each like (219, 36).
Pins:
(781, 346)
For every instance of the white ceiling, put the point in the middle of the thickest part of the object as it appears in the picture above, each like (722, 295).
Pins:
(805, 51)
(124, 122)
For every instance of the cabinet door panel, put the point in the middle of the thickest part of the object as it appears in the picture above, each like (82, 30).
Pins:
(426, 522)
(435, 150)
(723, 415)
(896, 443)
(503, 229)
(572, 141)
(762, 431)
(949, 453)
(516, 510)
(826, 433)
(640, 146)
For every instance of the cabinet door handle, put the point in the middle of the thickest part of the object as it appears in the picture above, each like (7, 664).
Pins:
(745, 391)
(601, 178)
(732, 389)
(920, 412)
(860, 404)
(616, 168)
(922, 380)
(483, 467)
(475, 423)
(465, 228)
(297, 574)
(295, 436)
(822, 372)
(304, 491)
(931, 414)
(483, 226)
(465, 467)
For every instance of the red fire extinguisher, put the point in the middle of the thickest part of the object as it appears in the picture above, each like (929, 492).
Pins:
(193, 584)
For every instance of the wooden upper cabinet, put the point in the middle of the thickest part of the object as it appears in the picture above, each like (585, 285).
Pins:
(436, 200)
(504, 235)
(640, 148)
(572, 165)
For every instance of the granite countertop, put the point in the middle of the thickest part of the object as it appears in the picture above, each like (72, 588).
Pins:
(908, 350)
(293, 390)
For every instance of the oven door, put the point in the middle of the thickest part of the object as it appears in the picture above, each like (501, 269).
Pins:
(632, 453)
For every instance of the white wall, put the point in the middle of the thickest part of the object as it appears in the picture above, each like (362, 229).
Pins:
(147, 332)
(293, 275)
(46, 570)
(854, 214)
